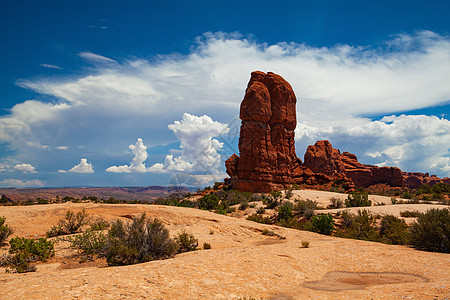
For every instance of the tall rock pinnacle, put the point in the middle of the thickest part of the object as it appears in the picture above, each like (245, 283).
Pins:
(266, 143)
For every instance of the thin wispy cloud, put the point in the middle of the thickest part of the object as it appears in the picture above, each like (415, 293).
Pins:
(21, 183)
(96, 57)
(50, 66)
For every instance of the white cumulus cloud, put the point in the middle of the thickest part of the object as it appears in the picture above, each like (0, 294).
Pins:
(137, 165)
(82, 167)
(24, 168)
(199, 149)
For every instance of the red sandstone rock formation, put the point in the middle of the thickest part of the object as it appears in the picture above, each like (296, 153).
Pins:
(266, 144)
(322, 157)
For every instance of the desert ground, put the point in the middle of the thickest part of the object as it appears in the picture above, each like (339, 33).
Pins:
(242, 261)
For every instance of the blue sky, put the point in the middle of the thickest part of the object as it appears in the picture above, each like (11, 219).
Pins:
(107, 93)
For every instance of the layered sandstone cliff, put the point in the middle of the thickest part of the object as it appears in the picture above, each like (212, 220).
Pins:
(322, 157)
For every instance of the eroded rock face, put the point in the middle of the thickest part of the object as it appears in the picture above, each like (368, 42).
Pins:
(266, 144)
(322, 157)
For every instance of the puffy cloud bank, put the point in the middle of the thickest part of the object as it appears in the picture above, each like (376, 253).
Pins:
(336, 87)
(82, 167)
(199, 149)
(137, 165)
(24, 168)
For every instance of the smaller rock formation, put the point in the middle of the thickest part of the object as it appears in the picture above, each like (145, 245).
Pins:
(322, 157)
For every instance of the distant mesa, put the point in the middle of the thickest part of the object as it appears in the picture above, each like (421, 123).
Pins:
(267, 159)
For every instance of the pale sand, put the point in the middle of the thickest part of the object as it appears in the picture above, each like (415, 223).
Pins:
(242, 262)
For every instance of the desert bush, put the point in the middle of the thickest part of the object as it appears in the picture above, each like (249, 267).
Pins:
(41, 248)
(305, 244)
(272, 200)
(360, 226)
(336, 202)
(431, 232)
(394, 230)
(305, 208)
(285, 212)
(139, 241)
(89, 243)
(24, 252)
(323, 224)
(71, 223)
(99, 224)
(358, 199)
(206, 246)
(186, 242)
(208, 202)
(410, 214)
(261, 210)
(243, 206)
(5, 231)
(259, 219)
(394, 200)
(288, 193)
(268, 232)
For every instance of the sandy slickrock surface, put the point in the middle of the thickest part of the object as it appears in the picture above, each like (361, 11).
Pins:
(241, 263)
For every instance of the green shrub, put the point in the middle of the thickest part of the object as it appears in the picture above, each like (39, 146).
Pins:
(208, 202)
(99, 224)
(336, 203)
(243, 206)
(186, 242)
(410, 214)
(323, 224)
(285, 212)
(305, 208)
(305, 244)
(394, 230)
(5, 231)
(71, 223)
(260, 210)
(431, 232)
(272, 200)
(139, 241)
(259, 219)
(24, 252)
(89, 243)
(41, 248)
(206, 246)
(360, 226)
(268, 232)
(358, 199)
(288, 193)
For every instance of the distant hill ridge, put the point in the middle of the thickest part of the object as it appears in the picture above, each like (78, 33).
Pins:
(148, 193)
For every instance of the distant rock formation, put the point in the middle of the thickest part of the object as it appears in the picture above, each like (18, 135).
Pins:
(323, 158)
